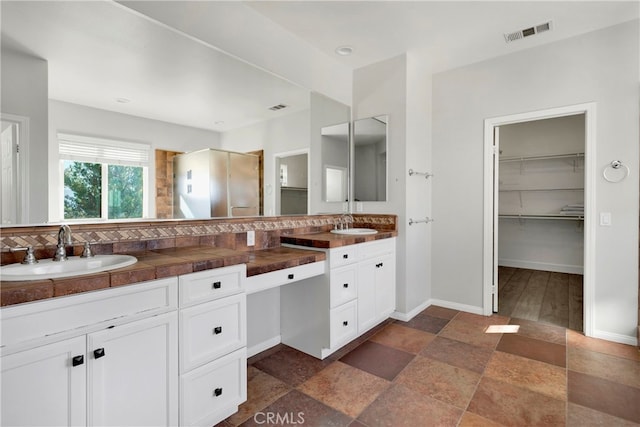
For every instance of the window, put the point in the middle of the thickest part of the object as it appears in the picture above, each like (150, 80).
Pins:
(103, 179)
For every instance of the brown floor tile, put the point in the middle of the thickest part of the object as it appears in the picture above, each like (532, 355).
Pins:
(262, 390)
(399, 407)
(296, 408)
(471, 333)
(579, 416)
(515, 406)
(403, 338)
(441, 312)
(439, 380)
(469, 419)
(577, 339)
(291, 366)
(426, 323)
(605, 396)
(378, 359)
(458, 354)
(612, 368)
(540, 331)
(543, 351)
(478, 319)
(345, 388)
(536, 376)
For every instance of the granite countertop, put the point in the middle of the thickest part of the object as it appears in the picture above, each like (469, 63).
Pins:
(326, 240)
(170, 262)
(157, 264)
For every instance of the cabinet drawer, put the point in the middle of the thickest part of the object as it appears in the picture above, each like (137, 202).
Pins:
(39, 319)
(343, 323)
(343, 286)
(211, 393)
(261, 282)
(211, 284)
(211, 330)
(343, 256)
(372, 249)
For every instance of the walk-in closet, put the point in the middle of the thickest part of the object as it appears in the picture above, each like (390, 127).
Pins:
(541, 220)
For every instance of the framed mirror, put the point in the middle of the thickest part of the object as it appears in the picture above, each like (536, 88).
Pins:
(335, 163)
(370, 159)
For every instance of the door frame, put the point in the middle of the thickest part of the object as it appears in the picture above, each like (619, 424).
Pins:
(589, 256)
(276, 169)
(22, 188)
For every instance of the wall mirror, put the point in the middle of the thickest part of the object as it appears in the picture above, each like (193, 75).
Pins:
(335, 162)
(370, 159)
(108, 52)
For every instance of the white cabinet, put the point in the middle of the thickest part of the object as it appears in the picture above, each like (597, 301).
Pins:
(376, 284)
(212, 345)
(356, 292)
(46, 385)
(133, 373)
(101, 358)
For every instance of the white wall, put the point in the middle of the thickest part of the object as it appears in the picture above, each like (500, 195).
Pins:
(78, 119)
(275, 136)
(400, 88)
(600, 67)
(24, 93)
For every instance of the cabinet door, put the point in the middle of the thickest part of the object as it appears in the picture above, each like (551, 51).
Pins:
(42, 387)
(133, 372)
(367, 314)
(385, 272)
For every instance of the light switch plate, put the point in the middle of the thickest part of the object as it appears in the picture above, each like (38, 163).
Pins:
(605, 219)
(251, 238)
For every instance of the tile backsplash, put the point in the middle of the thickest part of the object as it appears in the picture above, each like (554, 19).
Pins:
(117, 237)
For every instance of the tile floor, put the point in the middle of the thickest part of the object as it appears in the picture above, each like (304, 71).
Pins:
(442, 369)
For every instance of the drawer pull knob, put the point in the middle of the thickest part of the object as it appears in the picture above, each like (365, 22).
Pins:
(346, 285)
(77, 360)
(379, 265)
(217, 392)
(98, 353)
(345, 323)
(217, 285)
(290, 276)
(217, 330)
(345, 256)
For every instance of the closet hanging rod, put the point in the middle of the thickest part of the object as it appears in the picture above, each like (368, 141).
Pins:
(554, 156)
(417, 221)
(425, 174)
(543, 217)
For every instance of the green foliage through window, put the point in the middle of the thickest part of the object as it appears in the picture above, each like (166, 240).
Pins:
(83, 190)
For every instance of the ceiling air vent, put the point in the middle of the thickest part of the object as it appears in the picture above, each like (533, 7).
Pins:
(526, 32)
(277, 107)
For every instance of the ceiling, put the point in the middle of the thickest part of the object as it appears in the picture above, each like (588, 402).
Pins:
(179, 61)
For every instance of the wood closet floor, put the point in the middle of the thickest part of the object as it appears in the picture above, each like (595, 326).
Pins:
(542, 296)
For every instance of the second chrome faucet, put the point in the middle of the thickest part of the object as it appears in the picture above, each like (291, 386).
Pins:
(64, 239)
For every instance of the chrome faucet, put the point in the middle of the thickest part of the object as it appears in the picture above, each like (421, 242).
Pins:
(345, 220)
(64, 239)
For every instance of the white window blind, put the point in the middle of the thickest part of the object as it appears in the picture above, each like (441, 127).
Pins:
(99, 150)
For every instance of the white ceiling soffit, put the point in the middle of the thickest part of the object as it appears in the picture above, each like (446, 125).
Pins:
(240, 30)
(448, 33)
(98, 51)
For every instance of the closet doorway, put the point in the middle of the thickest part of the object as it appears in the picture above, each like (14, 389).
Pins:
(292, 182)
(540, 216)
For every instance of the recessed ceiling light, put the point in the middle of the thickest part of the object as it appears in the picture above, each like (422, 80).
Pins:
(344, 50)
(219, 122)
(123, 100)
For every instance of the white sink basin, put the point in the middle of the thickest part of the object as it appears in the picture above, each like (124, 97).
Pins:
(355, 231)
(73, 266)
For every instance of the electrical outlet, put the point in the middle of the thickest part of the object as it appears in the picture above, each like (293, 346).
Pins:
(251, 238)
(359, 207)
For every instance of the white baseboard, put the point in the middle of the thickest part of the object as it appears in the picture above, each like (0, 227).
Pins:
(264, 345)
(623, 339)
(405, 317)
(457, 306)
(544, 266)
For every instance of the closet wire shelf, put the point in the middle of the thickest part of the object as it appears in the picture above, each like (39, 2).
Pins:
(543, 216)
